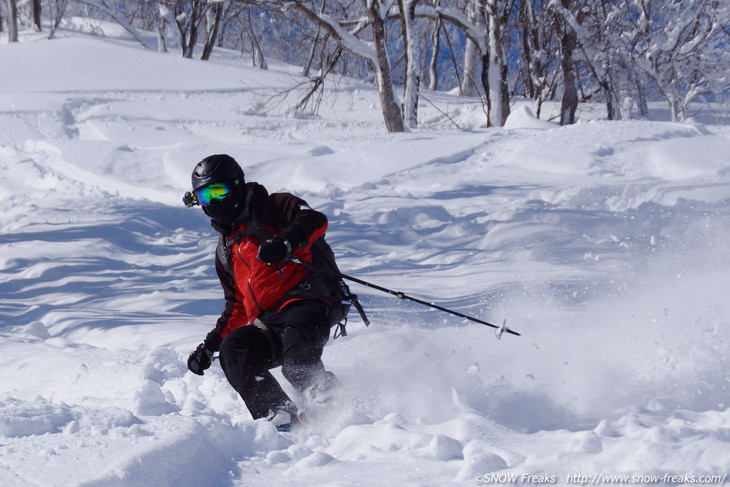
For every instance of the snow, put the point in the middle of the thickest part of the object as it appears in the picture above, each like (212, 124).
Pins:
(603, 243)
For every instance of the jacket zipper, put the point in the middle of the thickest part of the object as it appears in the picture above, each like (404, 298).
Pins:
(248, 281)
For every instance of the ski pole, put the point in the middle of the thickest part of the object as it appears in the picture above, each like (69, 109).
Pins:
(314, 268)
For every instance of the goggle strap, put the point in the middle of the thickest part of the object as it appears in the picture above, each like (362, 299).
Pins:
(190, 199)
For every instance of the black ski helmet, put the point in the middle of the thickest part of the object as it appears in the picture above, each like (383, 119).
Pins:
(220, 168)
(217, 169)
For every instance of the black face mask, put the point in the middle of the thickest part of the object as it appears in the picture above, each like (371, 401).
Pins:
(225, 211)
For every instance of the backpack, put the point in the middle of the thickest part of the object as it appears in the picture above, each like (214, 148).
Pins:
(340, 296)
(338, 293)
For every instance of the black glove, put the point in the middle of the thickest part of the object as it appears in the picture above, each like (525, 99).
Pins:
(200, 359)
(274, 250)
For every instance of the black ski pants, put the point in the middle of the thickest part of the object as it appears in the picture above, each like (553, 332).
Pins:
(296, 337)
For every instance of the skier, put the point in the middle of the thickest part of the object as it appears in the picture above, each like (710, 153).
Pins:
(272, 315)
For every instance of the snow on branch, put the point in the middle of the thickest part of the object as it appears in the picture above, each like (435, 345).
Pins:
(475, 32)
(118, 17)
(345, 38)
(569, 18)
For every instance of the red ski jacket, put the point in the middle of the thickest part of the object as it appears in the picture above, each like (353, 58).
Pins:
(250, 286)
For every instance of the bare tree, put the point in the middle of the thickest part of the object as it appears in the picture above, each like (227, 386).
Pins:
(110, 9)
(318, 40)
(539, 53)
(677, 45)
(498, 12)
(257, 53)
(188, 15)
(568, 23)
(412, 78)
(672, 46)
(489, 40)
(433, 78)
(35, 6)
(57, 9)
(375, 54)
(212, 22)
(160, 15)
(618, 52)
(313, 96)
(391, 111)
(471, 78)
(12, 17)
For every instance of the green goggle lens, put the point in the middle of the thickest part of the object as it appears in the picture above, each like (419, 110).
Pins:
(216, 191)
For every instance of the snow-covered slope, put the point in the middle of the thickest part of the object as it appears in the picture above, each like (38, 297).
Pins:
(603, 243)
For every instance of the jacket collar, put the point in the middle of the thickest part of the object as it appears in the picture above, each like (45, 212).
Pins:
(254, 193)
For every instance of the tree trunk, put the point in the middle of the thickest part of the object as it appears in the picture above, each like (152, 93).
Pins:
(57, 10)
(433, 78)
(569, 103)
(610, 106)
(486, 85)
(313, 48)
(498, 93)
(643, 103)
(161, 24)
(410, 97)
(36, 8)
(568, 43)
(312, 51)
(676, 109)
(527, 21)
(210, 39)
(504, 93)
(391, 111)
(12, 21)
(191, 37)
(187, 24)
(258, 55)
(468, 85)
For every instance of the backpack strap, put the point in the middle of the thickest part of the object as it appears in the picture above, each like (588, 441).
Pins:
(341, 327)
(224, 254)
(360, 310)
(255, 228)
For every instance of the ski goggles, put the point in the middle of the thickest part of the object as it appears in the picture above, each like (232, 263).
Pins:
(205, 196)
